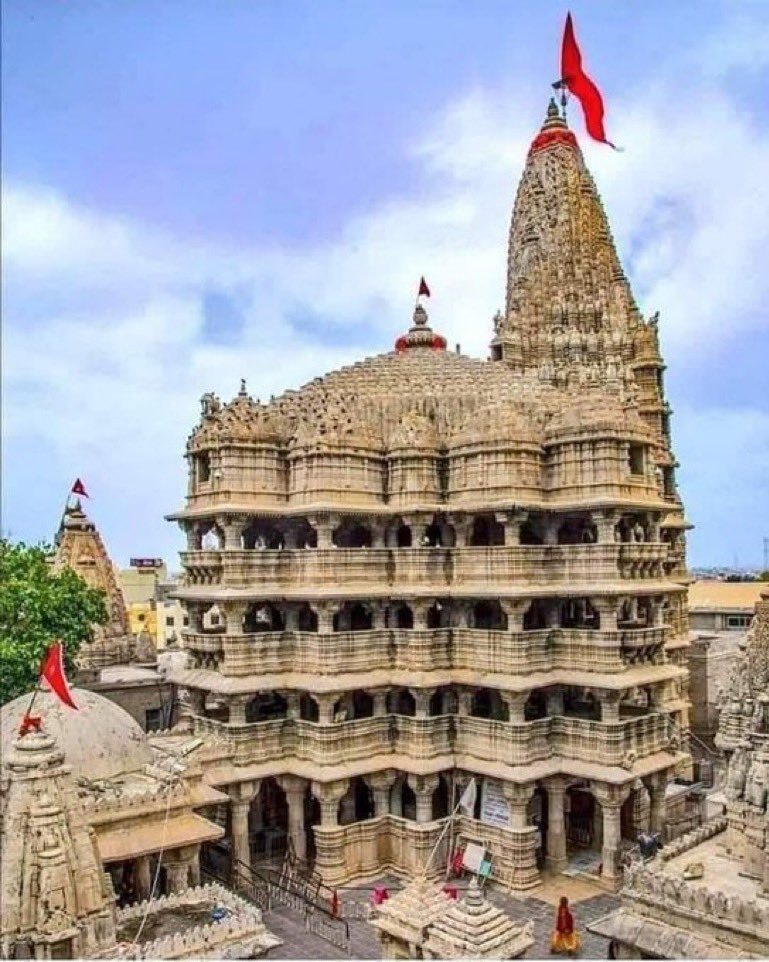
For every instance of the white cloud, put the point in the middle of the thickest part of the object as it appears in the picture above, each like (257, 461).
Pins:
(114, 307)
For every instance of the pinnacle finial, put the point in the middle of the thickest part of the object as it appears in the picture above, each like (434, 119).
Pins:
(420, 316)
(242, 392)
(553, 118)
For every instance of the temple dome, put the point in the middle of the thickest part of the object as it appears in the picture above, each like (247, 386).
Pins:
(497, 423)
(596, 416)
(99, 740)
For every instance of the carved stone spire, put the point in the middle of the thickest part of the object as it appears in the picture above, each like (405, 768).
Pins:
(57, 901)
(569, 304)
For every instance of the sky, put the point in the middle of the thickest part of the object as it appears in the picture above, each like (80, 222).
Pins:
(196, 192)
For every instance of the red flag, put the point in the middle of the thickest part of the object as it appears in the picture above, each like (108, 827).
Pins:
(335, 904)
(579, 84)
(79, 488)
(52, 669)
(424, 290)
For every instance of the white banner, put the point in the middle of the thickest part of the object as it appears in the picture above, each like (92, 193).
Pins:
(494, 807)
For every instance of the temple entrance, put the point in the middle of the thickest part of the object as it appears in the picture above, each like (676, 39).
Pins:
(581, 813)
(268, 823)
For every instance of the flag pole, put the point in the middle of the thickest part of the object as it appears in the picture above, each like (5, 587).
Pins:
(451, 833)
(449, 822)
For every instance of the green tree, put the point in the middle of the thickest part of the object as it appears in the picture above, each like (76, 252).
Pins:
(37, 606)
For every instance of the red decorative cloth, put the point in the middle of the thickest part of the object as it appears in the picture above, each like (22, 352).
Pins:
(579, 84)
(79, 488)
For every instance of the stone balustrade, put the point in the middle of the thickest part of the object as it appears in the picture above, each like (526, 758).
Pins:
(266, 571)
(420, 650)
(472, 741)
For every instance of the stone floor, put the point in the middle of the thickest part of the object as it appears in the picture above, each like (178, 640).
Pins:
(588, 903)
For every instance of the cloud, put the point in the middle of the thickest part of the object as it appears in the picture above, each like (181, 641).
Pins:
(108, 321)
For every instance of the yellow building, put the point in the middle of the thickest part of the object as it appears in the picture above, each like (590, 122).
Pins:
(139, 585)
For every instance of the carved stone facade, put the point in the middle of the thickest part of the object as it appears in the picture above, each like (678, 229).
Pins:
(426, 566)
(706, 895)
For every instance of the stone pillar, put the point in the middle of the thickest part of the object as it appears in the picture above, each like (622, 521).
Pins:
(347, 808)
(551, 525)
(463, 526)
(194, 866)
(329, 795)
(232, 526)
(294, 787)
(608, 610)
(191, 534)
(291, 616)
(518, 797)
(324, 528)
(609, 701)
(192, 702)
(605, 522)
(195, 614)
(396, 797)
(464, 701)
(325, 703)
(516, 703)
(419, 610)
(656, 786)
(377, 615)
(512, 523)
(241, 794)
(177, 873)
(611, 798)
(553, 614)
(514, 611)
(423, 787)
(377, 527)
(380, 784)
(325, 615)
(234, 613)
(237, 709)
(380, 703)
(293, 704)
(418, 528)
(422, 698)
(554, 699)
(142, 877)
(555, 855)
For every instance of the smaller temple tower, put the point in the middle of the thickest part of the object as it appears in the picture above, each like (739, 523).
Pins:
(57, 901)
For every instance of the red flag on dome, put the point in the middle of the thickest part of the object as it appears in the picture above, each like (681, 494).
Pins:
(577, 82)
(52, 669)
(424, 290)
(79, 488)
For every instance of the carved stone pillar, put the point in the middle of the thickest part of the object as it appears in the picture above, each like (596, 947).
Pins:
(518, 798)
(324, 528)
(234, 613)
(609, 701)
(329, 794)
(423, 787)
(324, 612)
(293, 704)
(377, 527)
(237, 709)
(554, 699)
(191, 534)
(294, 787)
(608, 610)
(611, 798)
(516, 703)
(555, 854)
(195, 614)
(291, 616)
(142, 877)
(232, 526)
(464, 701)
(396, 797)
(463, 526)
(514, 611)
(192, 702)
(241, 795)
(419, 610)
(347, 808)
(177, 873)
(378, 615)
(550, 529)
(422, 698)
(325, 703)
(605, 522)
(512, 523)
(418, 527)
(380, 703)
(381, 784)
(656, 786)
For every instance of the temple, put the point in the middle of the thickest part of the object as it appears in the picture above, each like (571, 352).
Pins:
(427, 568)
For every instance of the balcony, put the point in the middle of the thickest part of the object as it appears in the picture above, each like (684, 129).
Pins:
(432, 569)
(460, 740)
(473, 650)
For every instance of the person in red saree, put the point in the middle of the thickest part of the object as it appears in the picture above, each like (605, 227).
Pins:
(565, 937)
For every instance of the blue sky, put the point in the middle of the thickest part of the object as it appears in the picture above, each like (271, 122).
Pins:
(199, 191)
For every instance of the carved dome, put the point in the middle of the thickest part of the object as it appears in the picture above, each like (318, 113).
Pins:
(588, 415)
(497, 423)
(99, 740)
(414, 431)
(242, 420)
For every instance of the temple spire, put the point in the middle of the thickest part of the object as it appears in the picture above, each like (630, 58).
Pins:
(569, 307)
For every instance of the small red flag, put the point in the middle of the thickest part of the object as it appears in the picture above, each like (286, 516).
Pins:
(424, 290)
(335, 904)
(52, 669)
(579, 84)
(79, 488)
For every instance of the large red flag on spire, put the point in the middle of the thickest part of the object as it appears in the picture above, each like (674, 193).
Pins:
(578, 83)
(52, 669)
(79, 488)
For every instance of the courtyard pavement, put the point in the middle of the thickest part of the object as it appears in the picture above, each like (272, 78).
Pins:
(588, 904)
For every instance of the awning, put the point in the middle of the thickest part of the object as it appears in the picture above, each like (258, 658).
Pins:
(132, 840)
